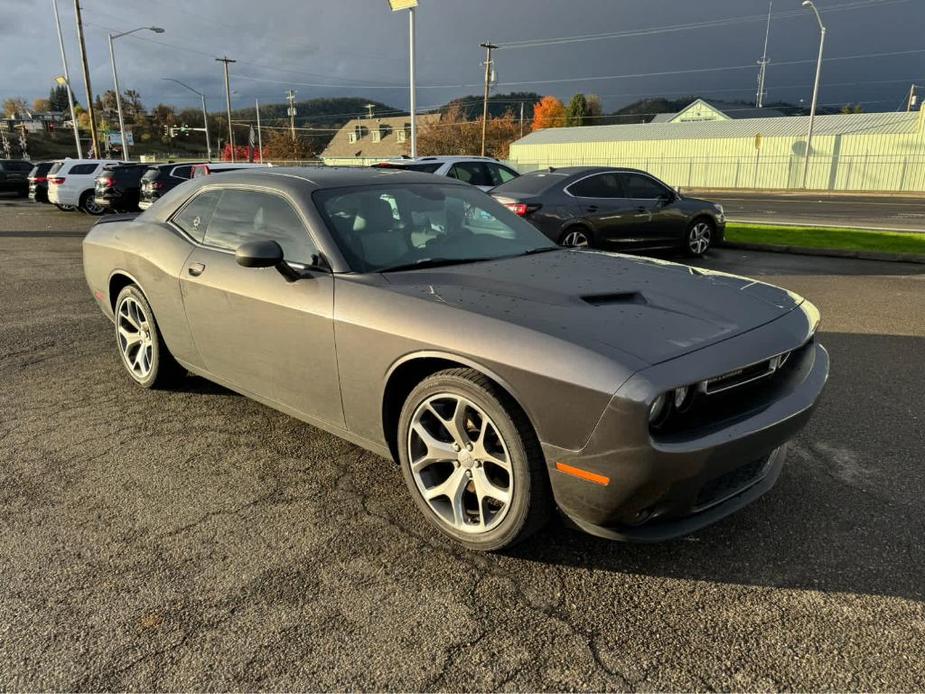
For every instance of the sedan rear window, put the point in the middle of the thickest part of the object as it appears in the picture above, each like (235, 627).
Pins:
(423, 168)
(531, 183)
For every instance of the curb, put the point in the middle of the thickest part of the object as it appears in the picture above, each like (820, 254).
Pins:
(829, 252)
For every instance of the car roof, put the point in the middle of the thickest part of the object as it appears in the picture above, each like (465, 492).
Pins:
(438, 158)
(583, 170)
(332, 176)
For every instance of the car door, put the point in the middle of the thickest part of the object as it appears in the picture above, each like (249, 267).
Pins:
(661, 219)
(599, 201)
(254, 329)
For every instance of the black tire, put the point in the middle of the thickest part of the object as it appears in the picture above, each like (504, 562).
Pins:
(531, 503)
(571, 237)
(698, 238)
(88, 205)
(163, 369)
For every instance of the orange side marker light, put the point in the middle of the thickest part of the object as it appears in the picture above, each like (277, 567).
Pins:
(582, 474)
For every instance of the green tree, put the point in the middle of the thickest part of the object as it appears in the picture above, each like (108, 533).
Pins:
(577, 111)
(57, 98)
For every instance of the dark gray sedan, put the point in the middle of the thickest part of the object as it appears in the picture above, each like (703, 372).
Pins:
(603, 207)
(422, 320)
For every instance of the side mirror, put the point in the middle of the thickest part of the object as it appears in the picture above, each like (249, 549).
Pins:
(259, 254)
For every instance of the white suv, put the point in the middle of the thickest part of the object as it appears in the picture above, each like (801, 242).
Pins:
(71, 183)
(482, 172)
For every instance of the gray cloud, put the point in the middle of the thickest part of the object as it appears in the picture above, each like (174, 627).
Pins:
(359, 48)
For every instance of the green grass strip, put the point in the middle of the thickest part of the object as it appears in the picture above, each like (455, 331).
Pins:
(828, 237)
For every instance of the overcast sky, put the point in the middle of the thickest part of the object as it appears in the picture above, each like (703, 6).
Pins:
(359, 48)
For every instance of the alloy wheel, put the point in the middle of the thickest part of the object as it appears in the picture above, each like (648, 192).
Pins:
(90, 207)
(136, 340)
(698, 240)
(460, 463)
(576, 239)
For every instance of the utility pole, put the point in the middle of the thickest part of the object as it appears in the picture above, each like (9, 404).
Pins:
(489, 47)
(259, 133)
(763, 63)
(67, 80)
(910, 103)
(369, 110)
(95, 152)
(290, 97)
(227, 60)
(521, 118)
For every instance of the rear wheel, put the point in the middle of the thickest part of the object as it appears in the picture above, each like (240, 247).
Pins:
(576, 237)
(144, 354)
(88, 204)
(65, 208)
(472, 462)
(698, 238)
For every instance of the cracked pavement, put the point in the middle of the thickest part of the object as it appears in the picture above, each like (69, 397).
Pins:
(194, 539)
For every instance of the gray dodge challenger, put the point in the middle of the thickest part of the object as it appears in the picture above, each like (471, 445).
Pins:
(508, 377)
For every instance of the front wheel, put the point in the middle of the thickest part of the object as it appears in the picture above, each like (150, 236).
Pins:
(144, 354)
(698, 238)
(65, 208)
(472, 462)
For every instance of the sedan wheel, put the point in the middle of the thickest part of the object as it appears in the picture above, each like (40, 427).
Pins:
(699, 237)
(471, 461)
(576, 239)
(88, 205)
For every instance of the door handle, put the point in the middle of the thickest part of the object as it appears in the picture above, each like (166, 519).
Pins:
(196, 269)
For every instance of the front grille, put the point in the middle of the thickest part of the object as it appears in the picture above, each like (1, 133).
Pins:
(731, 483)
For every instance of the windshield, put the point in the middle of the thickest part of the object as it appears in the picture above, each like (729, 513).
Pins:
(389, 226)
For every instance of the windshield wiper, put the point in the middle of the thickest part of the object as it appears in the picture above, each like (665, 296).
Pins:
(432, 262)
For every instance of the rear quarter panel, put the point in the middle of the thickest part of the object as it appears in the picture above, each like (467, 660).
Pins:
(152, 256)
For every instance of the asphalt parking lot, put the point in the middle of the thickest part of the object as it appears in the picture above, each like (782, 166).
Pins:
(194, 539)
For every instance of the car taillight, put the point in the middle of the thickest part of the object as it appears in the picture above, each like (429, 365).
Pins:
(521, 209)
(107, 182)
(156, 185)
(39, 179)
(56, 180)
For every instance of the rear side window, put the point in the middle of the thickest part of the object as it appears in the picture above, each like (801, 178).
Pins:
(605, 185)
(41, 169)
(183, 172)
(56, 167)
(16, 166)
(531, 183)
(474, 173)
(251, 215)
(82, 169)
(195, 217)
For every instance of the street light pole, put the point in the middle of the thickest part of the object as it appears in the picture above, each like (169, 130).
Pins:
(205, 114)
(115, 78)
(410, 5)
(67, 80)
(227, 60)
(812, 110)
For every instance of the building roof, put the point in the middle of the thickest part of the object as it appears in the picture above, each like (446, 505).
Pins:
(388, 146)
(785, 126)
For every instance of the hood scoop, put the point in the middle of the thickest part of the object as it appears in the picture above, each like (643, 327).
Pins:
(615, 299)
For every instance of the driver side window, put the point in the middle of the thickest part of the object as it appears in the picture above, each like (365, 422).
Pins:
(252, 215)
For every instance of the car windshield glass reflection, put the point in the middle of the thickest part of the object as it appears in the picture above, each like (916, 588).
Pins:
(386, 227)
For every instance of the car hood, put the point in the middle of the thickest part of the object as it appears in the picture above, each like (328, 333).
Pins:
(654, 310)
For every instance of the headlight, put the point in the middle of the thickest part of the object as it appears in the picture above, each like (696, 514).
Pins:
(680, 397)
(658, 409)
(719, 208)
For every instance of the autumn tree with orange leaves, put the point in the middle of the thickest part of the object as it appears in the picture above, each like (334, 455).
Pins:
(548, 113)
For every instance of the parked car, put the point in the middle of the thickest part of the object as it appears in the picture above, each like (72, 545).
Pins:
(505, 374)
(14, 176)
(38, 181)
(160, 179)
(208, 168)
(602, 207)
(118, 187)
(483, 172)
(72, 182)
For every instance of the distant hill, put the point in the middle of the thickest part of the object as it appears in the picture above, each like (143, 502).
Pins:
(498, 104)
(325, 113)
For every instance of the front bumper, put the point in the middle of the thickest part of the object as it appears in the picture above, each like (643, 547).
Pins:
(659, 488)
